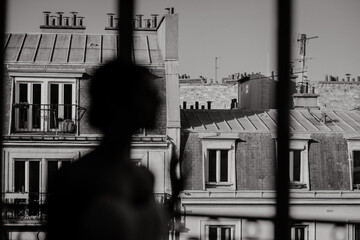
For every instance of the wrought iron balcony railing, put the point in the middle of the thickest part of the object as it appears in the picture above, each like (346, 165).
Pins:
(23, 208)
(46, 118)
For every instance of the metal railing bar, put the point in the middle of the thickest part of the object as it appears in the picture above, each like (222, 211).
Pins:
(2, 37)
(284, 8)
(125, 11)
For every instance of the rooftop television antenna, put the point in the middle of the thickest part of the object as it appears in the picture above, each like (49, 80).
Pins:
(303, 40)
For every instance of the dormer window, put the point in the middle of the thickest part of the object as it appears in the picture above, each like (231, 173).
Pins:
(219, 161)
(298, 164)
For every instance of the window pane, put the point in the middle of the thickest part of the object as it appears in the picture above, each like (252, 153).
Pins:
(34, 175)
(52, 169)
(225, 233)
(36, 105)
(356, 155)
(357, 232)
(212, 233)
(54, 101)
(19, 176)
(295, 165)
(212, 165)
(23, 112)
(224, 166)
(67, 101)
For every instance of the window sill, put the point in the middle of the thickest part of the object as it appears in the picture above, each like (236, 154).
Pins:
(297, 185)
(225, 186)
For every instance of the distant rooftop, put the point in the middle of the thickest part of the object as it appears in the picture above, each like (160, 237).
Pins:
(241, 120)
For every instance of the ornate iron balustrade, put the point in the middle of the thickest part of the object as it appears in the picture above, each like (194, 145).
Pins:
(23, 207)
(46, 118)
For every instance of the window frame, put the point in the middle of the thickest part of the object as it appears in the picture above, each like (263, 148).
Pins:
(300, 226)
(219, 142)
(45, 98)
(235, 226)
(353, 144)
(301, 145)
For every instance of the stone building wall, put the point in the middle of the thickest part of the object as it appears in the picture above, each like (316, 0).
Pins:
(219, 94)
(338, 95)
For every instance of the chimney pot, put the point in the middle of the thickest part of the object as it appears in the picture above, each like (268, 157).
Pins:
(196, 105)
(147, 23)
(358, 78)
(184, 104)
(53, 20)
(139, 20)
(111, 19)
(154, 20)
(208, 104)
(80, 21)
(46, 18)
(74, 18)
(66, 21)
(202, 106)
(326, 77)
(60, 17)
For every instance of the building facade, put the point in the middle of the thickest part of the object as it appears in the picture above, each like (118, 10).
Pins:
(229, 158)
(46, 119)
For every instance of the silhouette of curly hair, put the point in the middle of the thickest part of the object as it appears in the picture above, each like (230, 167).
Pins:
(123, 93)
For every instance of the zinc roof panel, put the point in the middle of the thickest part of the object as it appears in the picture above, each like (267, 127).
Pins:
(206, 120)
(305, 122)
(219, 120)
(140, 42)
(348, 120)
(243, 120)
(267, 120)
(231, 120)
(141, 56)
(337, 121)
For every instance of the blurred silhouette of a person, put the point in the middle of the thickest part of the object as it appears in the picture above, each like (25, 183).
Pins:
(103, 195)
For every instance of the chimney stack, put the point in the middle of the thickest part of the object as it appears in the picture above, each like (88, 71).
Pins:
(46, 18)
(60, 18)
(208, 104)
(60, 23)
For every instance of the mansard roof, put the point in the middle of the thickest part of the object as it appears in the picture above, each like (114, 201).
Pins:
(262, 121)
(73, 49)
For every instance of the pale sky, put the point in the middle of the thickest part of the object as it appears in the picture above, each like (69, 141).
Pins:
(240, 32)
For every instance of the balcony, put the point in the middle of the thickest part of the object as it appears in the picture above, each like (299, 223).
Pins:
(23, 208)
(46, 118)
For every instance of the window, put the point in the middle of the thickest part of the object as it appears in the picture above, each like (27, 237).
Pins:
(298, 164)
(356, 232)
(218, 167)
(220, 229)
(356, 170)
(219, 161)
(43, 104)
(220, 232)
(299, 232)
(34, 175)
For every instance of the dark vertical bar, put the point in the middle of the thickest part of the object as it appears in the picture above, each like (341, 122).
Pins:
(282, 230)
(2, 37)
(125, 10)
